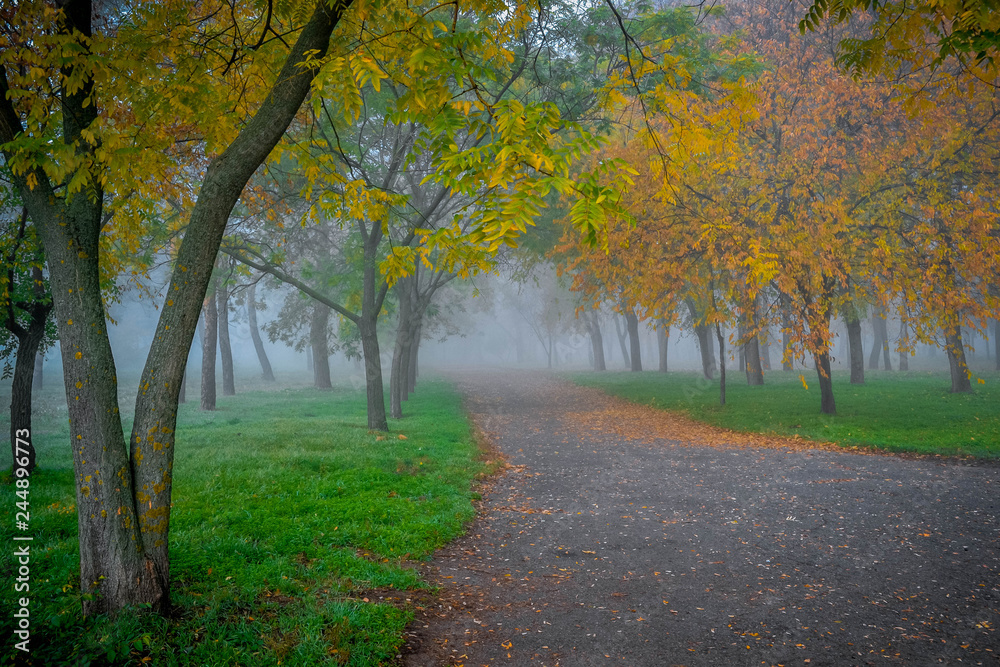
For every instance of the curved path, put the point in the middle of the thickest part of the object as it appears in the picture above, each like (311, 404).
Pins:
(609, 542)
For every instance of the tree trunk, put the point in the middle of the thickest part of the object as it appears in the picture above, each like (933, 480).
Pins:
(663, 341)
(755, 373)
(225, 345)
(318, 344)
(621, 341)
(764, 344)
(880, 341)
(827, 404)
(211, 336)
(960, 379)
(596, 341)
(258, 344)
(855, 349)
(400, 351)
(632, 323)
(904, 346)
(182, 394)
(785, 301)
(124, 553)
(886, 360)
(413, 357)
(28, 343)
(722, 366)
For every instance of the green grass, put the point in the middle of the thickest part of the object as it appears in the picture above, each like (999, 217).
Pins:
(287, 512)
(911, 412)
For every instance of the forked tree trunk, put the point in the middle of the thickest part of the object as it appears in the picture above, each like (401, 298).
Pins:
(124, 556)
(960, 377)
(211, 336)
(319, 346)
(632, 322)
(258, 344)
(663, 340)
(225, 345)
(854, 343)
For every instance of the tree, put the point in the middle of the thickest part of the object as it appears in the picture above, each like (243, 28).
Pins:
(123, 552)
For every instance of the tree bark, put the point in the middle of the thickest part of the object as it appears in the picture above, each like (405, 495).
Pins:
(320, 348)
(258, 344)
(663, 343)
(960, 378)
(880, 346)
(225, 344)
(124, 553)
(856, 351)
(632, 322)
(211, 336)
(751, 348)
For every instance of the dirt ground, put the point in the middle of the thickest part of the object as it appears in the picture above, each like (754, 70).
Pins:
(621, 535)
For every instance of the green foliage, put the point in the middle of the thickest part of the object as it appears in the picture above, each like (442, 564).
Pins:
(912, 412)
(287, 513)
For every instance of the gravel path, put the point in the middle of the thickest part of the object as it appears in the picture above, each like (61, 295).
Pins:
(623, 546)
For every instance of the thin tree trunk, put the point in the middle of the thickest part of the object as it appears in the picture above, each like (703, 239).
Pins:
(854, 341)
(258, 344)
(722, 366)
(886, 360)
(827, 403)
(960, 379)
(786, 332)
(621, 341)
(632, 322)
(319, 346)
(400, 352)
(208, 351)
(663, 340)
(596, 341)
(225, 345)
(412, 362)
(764, 343)
(29, 341)
(368, 328)
(182, 394)
(904, 346)
(879, 331)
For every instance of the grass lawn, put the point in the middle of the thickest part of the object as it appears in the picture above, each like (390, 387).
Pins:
(288, 513)
(910, 411)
